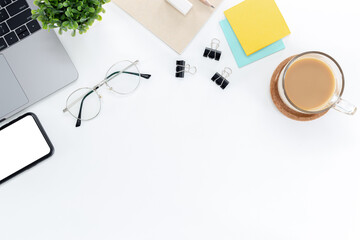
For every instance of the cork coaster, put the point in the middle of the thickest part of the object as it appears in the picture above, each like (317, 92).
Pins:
(281, 106)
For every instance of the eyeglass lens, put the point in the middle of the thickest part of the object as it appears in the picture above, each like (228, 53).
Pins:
(123, 81)
(86, 105)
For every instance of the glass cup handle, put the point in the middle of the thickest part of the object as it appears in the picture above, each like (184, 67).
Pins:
(346, 107)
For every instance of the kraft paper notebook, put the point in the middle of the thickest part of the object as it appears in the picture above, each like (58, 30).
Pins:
(257, 24)
(165, 22)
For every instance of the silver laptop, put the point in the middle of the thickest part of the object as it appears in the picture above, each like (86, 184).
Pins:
(33, 63)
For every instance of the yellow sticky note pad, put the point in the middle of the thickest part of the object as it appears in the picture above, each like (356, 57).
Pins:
(257, 24)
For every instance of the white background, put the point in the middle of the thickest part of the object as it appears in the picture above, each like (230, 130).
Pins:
(182, 159)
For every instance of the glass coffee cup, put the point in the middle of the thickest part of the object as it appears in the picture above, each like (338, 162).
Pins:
(312, 83)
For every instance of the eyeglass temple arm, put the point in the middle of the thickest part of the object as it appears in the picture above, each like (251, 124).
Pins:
(143, 75)
(114, 74)
(78, 122)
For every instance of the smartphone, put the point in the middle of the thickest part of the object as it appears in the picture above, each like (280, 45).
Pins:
(23, 144)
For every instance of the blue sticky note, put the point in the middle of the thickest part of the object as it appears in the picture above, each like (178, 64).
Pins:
(238, 51)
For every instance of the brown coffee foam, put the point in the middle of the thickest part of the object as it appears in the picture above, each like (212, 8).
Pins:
(281, 106)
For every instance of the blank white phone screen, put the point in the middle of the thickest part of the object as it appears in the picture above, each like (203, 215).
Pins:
(21, 144)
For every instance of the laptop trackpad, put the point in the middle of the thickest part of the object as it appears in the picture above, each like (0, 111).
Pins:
(12, 95)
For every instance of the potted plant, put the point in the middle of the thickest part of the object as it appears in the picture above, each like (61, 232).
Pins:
(75, 15)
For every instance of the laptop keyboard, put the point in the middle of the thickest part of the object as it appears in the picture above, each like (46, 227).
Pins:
(16, 22)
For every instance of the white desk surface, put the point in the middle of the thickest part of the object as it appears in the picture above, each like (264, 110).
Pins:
(182, 159)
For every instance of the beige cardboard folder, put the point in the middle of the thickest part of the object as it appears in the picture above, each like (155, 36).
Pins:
(168, 24)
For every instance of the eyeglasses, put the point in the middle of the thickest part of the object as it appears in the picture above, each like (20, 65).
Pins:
(122, 78)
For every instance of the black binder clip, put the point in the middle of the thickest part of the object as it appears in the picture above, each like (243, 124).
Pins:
(182, 68)
(212, 52)
(221, 80)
